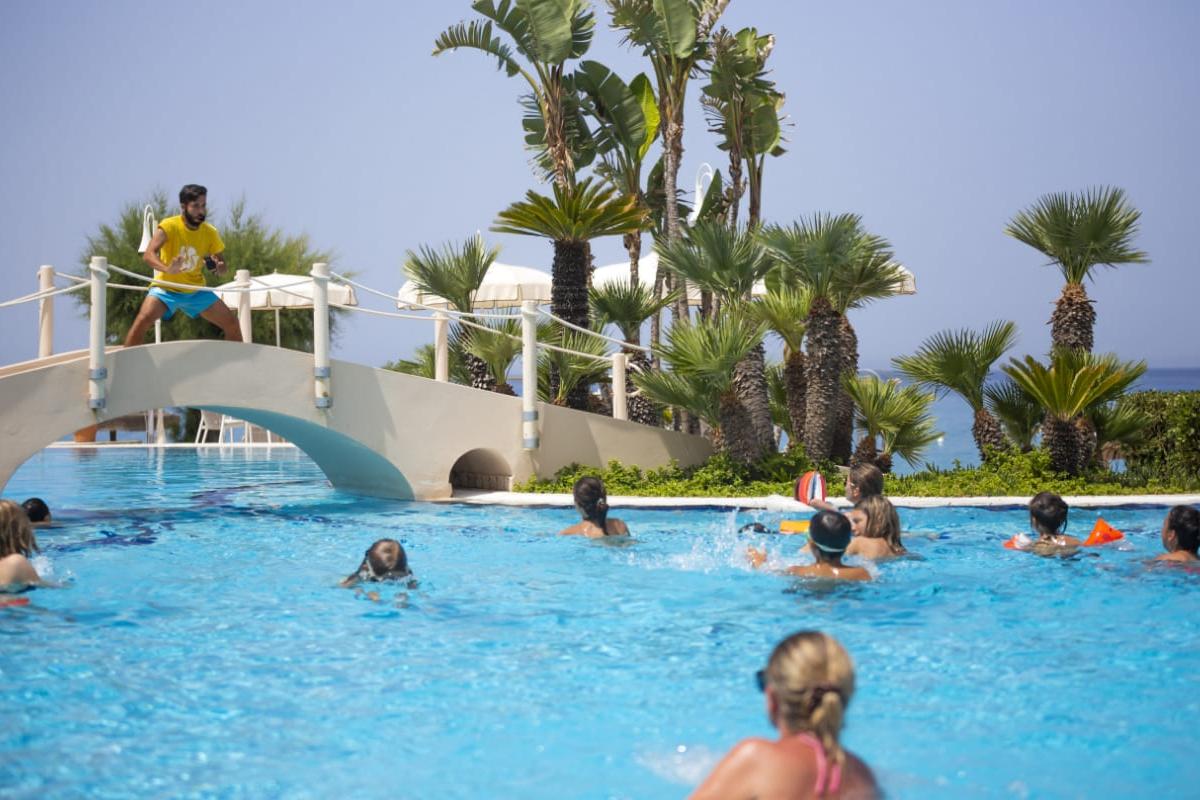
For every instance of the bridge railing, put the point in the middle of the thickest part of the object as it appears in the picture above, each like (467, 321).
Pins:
(98, 283)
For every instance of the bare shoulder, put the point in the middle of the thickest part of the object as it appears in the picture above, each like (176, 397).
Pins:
(15, 569)
(577, 529)
(616, 527)
(858, 781)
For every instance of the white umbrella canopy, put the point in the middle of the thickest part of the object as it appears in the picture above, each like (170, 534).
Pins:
(504, 286)
(277, 290)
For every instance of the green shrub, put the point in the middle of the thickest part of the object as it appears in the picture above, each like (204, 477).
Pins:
(1170, 449)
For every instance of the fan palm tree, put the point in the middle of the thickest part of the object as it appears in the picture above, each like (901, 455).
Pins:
(959, 362)
(1074, 382)
(702, 356)
(561, 375)
(894, 419)
(672, 34)
(498, 344)
(423, 364)
(628, 305)
(784, 311)
(1019, 415)
(728, 263)
(1117, 424)
(454, 273)
(545, 34)
(1077, 232)
(574, 216)
(835, 259)
(743, 108)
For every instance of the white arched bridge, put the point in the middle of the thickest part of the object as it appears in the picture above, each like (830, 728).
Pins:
(371, 431)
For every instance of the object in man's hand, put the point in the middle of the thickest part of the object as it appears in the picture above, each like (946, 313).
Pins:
(209, 263)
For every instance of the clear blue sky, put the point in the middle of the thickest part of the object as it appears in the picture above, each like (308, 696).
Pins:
(935, 121)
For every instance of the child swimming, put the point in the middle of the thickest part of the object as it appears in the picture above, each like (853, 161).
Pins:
(807, 683)
(17, 544)
(1181, 535)
(876, 528)
(591, 500)
(384, 560)
(829, 535)
(1048, 517)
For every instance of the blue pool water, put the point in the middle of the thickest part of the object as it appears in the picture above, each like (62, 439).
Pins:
(202, 649)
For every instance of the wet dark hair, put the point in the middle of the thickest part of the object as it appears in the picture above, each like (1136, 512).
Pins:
(1049, 513)
(384, 560)
(1185, 521)
(830, 534)
(191, 192)
(592, 499)
(36, 509)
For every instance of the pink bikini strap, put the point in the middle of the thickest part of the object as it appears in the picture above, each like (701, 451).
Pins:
(823, 770)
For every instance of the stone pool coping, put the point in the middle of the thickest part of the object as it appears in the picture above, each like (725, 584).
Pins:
(777, 502)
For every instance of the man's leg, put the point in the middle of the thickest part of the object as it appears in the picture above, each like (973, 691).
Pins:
(152, 310)
(220, 315)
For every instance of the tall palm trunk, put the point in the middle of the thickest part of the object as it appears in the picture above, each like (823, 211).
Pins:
(824, 366)
(641, 408)
(866, 452)
(989, 436)
(1073, 320)
(569, 300)
(633, 246)
(737, 429)
(1086, 442)
(750, 386)
(843, 436)
(797, 389)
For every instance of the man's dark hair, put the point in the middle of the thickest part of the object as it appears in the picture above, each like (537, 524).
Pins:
(1049, 512)
(191, 192)
(36, 509)
(830, 532)
(1185, 521)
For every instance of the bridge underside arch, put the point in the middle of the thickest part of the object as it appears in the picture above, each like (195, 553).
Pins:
(349, 465)
(481, 469)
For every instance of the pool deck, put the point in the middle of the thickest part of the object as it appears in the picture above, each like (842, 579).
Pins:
(780, 503)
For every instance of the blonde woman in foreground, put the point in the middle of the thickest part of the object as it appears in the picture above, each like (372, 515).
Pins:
(808, 683)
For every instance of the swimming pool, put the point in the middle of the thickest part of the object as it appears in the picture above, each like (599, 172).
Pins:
(202, 648)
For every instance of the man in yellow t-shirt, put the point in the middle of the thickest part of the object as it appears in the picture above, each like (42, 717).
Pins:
(181, 248)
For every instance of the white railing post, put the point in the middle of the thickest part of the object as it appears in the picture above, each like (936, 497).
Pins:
(242, 277)
(529, 386)
(620, 408)
(321, 392)
(441, 346)
(45, 312)
(97, 372)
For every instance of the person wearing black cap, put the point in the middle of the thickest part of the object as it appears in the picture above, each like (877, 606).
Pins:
(829, 533)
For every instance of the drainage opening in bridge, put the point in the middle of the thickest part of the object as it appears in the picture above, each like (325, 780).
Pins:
(481, 469)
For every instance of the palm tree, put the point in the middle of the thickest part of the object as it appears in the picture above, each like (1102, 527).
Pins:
(894, 419)
(573, 217)
(703, 355)
(784, 311)
(454, 273)
(562, 375)
(1117, 425)
(1019, 415)
(835, 259)
(498, 346)
(626, 126)
(1074, 382)
(959, 362)
(546, 34)
(1077, 232)
(423, 364)
(628, 305)
(744, 109)
(672, 35)
(780, 413)
(728, 263)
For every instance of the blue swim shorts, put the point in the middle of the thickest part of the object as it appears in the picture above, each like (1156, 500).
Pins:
(191, 303)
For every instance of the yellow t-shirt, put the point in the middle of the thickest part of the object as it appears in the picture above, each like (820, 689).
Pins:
(193, 245)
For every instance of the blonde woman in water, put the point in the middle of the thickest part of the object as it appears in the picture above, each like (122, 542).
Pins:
(808, 683)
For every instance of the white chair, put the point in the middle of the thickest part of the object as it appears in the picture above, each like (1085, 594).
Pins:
(210, 422)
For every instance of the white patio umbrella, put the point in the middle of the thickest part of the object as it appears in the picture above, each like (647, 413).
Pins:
(504, 286)
(280, 290)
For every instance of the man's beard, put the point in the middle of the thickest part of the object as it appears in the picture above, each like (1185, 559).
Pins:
(194, 221)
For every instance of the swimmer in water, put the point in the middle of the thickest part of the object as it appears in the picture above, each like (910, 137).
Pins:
(863, 480)
(592, 503)
(1181, 535)
(385, 560)
(17, 545)
(1048, 517)
(38, 511)
(829, 535)
(876, 528)
(808, 683)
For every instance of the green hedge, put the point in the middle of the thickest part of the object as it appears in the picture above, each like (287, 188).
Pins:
(1171, 447)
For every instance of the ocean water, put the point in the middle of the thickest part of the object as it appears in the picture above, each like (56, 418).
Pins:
(201, 648)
